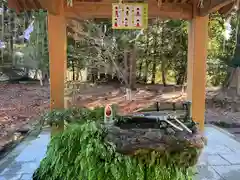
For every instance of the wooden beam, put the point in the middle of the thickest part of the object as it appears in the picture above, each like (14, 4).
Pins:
(210, 6)
(52, 6)
(18, 7)
(104, 10)
(27, 5)
(13, 4)
(58, 58)
(23, 4)
(226, 10)
(32, 3)
(197, 57)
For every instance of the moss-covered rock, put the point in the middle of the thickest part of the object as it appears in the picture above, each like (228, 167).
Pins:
(85, 151)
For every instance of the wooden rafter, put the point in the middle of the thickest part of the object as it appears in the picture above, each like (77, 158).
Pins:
(213, 5)
(27, 6)
(32, 4)
(13, 5)
(226, 10)
(18, 5)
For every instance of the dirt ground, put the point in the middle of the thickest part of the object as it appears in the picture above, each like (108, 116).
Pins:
(20, 104)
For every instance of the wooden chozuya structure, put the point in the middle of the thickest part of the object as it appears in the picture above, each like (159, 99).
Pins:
(195, 11)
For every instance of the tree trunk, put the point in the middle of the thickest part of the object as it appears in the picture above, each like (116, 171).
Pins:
(126, 69)
(145, 77)
(180, 78)
(163, 63)
(233, 77)
(35, 74)
(234, 81)
(45, 79)
(77, 73)
(140, 70)
(11, 48)
(73, 71)
(228, 77)
(81, 76)
(154, 61)
(41, 77)
(27, 71)
(128, 74)
(154, 70)
(94, 74)
(163, 73)
(133, 68)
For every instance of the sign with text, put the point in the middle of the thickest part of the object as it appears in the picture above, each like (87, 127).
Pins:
(129, 16)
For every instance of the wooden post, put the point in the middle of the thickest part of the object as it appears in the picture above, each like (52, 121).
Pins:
(197, 57)
(58, 57)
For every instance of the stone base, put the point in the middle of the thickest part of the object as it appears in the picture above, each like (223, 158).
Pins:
(141, 140)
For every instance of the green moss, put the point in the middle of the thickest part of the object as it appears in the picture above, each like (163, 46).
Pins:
(80, 153)
(74, 115)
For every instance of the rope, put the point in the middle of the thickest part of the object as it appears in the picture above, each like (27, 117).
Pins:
(200, 4)
(70, 3)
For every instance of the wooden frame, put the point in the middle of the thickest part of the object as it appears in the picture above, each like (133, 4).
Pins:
(174, 9)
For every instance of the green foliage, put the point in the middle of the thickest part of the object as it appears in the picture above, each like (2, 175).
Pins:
(73, 115)
(236, 58)
(12, 27)
(161, 49)
(21, 53)
(220, 51)
(80, 152)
